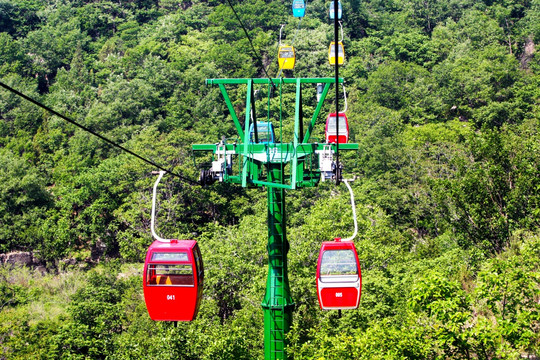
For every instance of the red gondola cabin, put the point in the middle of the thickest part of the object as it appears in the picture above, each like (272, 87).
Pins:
(173, 280)
(339, 279)
(331, 129)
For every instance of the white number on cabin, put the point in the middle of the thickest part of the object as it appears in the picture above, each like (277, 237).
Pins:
(170, 297)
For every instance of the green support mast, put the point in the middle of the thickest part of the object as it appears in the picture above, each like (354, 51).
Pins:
(277, 304)
(264, 164)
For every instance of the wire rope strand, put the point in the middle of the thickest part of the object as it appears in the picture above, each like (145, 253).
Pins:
(249, 39)
(281, 127)
(269, 96)
(300, 22)
(281, 110)
(110, 142)
(336, 70)
(294, 38)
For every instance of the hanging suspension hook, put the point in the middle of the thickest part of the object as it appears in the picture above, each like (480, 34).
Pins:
(280, 30)
(344, 97)
(153, 221)
(353, 211)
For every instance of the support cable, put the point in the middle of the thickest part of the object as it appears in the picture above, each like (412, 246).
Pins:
(45, 107)
(281, 127)
(336, 52)
(269, 97)
(294, 38)
(249, 39)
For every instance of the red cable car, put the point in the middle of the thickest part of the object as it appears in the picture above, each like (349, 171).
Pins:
(331, 128)
(173, 280)
(339, 279)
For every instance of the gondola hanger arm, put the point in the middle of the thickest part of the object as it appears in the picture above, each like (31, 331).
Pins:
(346, 182)
(154, 196)
(345, 99)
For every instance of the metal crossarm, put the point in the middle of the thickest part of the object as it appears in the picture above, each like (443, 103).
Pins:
(276, 81)
(232, 112)
(302, 150)
(316, 113)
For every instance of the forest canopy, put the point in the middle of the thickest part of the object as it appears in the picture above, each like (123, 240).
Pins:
(443, 100)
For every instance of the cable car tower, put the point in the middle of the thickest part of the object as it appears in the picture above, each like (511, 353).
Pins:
(278, 166)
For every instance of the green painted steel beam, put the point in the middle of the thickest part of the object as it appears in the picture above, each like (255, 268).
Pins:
(277, 304)
(316, 113)
(271, 184)
(296, 135)
(246, 132)
(301, 149)
(232, 112)
(276, 81)
(253, 114)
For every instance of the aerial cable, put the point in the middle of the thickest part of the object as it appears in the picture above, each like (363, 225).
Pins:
(294, 38)
(279, 44)
(344, 98)
(336, 70)
(299, 23)
(249, 39)
(45, 107)
(269, 96)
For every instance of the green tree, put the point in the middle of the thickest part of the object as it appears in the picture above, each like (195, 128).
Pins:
(24, 201)
(12, 58)
(507, 288)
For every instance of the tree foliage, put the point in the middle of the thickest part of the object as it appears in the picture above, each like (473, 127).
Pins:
(443, 100)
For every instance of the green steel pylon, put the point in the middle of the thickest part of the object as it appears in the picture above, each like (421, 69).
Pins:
(263, 164)
(277, 304)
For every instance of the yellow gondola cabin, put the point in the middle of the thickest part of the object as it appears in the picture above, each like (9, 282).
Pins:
(286, 57)
(332, 53)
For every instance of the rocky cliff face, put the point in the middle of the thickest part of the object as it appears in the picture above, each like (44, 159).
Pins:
(21, 258)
